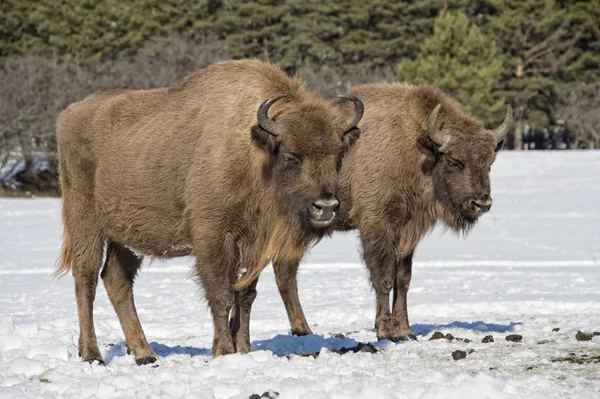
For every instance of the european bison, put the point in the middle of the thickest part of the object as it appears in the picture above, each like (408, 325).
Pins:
(420, 160)
(199, 169)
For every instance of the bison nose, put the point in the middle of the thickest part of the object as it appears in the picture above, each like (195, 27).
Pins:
(323, 210)
(482, 205)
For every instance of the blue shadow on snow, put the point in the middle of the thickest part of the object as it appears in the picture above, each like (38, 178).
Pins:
(161, 350)
(424, 329)
(285, 345)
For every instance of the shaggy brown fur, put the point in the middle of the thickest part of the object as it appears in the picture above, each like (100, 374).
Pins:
(400, 179)
(187, 170)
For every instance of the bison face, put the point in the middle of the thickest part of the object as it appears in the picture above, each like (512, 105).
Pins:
(459, 156)
(305, 144)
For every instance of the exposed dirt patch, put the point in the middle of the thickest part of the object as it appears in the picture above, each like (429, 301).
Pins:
(578, 359)
(367, 348)
(581, 336)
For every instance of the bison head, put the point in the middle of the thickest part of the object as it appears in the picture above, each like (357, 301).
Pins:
(460, 153)
(305, 142)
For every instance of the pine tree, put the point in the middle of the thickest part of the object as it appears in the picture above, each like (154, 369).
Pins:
(463, 62)
(538, 38)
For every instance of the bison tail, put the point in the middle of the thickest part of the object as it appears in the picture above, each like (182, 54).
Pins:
(64, 261)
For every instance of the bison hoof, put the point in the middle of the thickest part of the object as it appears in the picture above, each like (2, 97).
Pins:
(91, 360)
(407, 337)
(129, 351)
(302, 332)
(145, 360)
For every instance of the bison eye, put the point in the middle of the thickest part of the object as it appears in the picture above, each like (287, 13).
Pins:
(291, 159)
(454, 163)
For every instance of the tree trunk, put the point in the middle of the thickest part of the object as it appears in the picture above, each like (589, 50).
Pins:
(519, 128)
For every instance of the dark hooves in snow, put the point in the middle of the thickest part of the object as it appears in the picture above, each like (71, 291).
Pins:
(93, 359)
(407, 337)
(401, 338)
(145, 360)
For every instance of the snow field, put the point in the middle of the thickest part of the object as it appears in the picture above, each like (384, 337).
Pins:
(532, 264)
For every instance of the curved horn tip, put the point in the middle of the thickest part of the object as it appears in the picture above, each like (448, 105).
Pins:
(432, 131)
(436, 111)
(262, 117)
(359, 109)
(501, 132)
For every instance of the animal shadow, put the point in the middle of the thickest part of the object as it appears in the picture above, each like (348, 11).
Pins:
(424, 329)
(120, 350)
(286, 345)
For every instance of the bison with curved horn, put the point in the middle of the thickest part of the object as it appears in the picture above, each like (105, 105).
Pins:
(237, 166)
(420, 160)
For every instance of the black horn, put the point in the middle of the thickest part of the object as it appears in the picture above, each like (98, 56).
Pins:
(264, 121)
(359, 108)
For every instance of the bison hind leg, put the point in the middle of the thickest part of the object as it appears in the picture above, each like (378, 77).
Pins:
(120, 268)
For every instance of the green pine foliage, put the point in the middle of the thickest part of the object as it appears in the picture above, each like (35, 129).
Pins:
(486, 53)
(462, 61)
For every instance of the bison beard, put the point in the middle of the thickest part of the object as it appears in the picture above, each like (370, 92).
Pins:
(200, 166)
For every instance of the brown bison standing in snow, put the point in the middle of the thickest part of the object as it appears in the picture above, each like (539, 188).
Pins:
(200, 169)
(420, 160)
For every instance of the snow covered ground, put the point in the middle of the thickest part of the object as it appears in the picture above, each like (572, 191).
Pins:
(531, 265)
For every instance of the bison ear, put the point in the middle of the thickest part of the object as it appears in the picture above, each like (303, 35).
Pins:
(263, 139)
(427, 146)
(350, 138)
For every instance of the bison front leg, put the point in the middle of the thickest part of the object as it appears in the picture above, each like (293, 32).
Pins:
(215, 273)
(120, 269)
(380, 261)
(240, 318)
(399, 307)
(285, 275)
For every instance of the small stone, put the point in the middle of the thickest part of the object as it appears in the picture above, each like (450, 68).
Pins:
(457, 355)
(596, 333)
(436, 335)
(487, 339)
(471, 351)
(530, 368)
(340, 336)
(467, 340)
(581, 336)
(449, 337)
(555, 329)
(366, 348)
(544, 342)
(514, 338)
